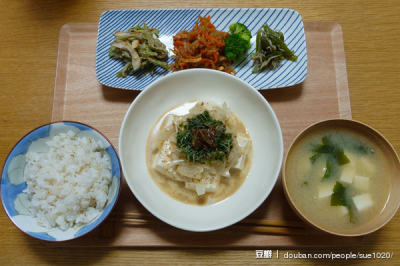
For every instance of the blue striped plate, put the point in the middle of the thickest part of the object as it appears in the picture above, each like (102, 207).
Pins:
(171, 21)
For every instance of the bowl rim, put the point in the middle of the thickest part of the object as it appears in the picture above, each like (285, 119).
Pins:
(33, 130)
(286, 190)
(249, 88)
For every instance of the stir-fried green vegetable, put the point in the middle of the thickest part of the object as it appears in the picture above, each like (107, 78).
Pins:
(203, 139)
(270, 50)
(139, 48)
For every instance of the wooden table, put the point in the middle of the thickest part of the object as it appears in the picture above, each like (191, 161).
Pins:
(28, 54)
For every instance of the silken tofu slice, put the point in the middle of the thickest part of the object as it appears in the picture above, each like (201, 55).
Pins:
(201, 188)
(325, 190)
(362, 163)
(163, 158)
(190, 171)
(243, 143)
(240, 163)
(226, 174)
(363, 201)
(361, 183)
(342, 210)
(348, 173)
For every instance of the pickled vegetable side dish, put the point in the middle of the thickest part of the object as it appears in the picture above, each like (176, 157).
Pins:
(139, 48)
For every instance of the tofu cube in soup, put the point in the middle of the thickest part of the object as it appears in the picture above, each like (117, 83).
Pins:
(363, 201)
(348, 173)
(325, 190)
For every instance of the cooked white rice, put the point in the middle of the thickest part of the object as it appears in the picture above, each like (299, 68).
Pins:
(67, 186)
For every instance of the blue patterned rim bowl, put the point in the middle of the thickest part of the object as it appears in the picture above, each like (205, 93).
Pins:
(16, 202)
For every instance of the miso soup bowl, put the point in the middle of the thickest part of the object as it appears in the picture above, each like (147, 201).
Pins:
(390, 155)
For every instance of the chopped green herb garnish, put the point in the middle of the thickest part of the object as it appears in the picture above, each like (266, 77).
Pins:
(203, 139)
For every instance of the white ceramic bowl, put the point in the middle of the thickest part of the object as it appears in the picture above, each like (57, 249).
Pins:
(201, 84)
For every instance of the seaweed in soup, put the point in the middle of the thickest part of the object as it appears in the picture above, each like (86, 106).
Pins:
(331, 150)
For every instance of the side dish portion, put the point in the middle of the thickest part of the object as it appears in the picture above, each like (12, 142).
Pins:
(271, 49)
(201, 47)
(221, 39)
(238, 41)
(139, 48)
(199, 152)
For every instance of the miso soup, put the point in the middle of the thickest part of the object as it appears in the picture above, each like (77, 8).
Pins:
(338, 179)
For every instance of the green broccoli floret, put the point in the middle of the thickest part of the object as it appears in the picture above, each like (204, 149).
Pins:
(235, 46)
(238, 41)
(239, 28)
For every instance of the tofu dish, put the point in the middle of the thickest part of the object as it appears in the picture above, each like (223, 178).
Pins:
(338, 178)
(199, 152)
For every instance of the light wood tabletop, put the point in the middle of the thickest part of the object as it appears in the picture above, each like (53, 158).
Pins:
(28, 56)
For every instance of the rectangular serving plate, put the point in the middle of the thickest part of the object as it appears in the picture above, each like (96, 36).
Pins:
(170, 21)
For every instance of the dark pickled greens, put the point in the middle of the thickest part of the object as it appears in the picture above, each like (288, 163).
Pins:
(203, 139)
(270, 50)
(139, 48)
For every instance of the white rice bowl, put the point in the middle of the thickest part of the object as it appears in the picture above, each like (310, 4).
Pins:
(60, 181)
(68, 185)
